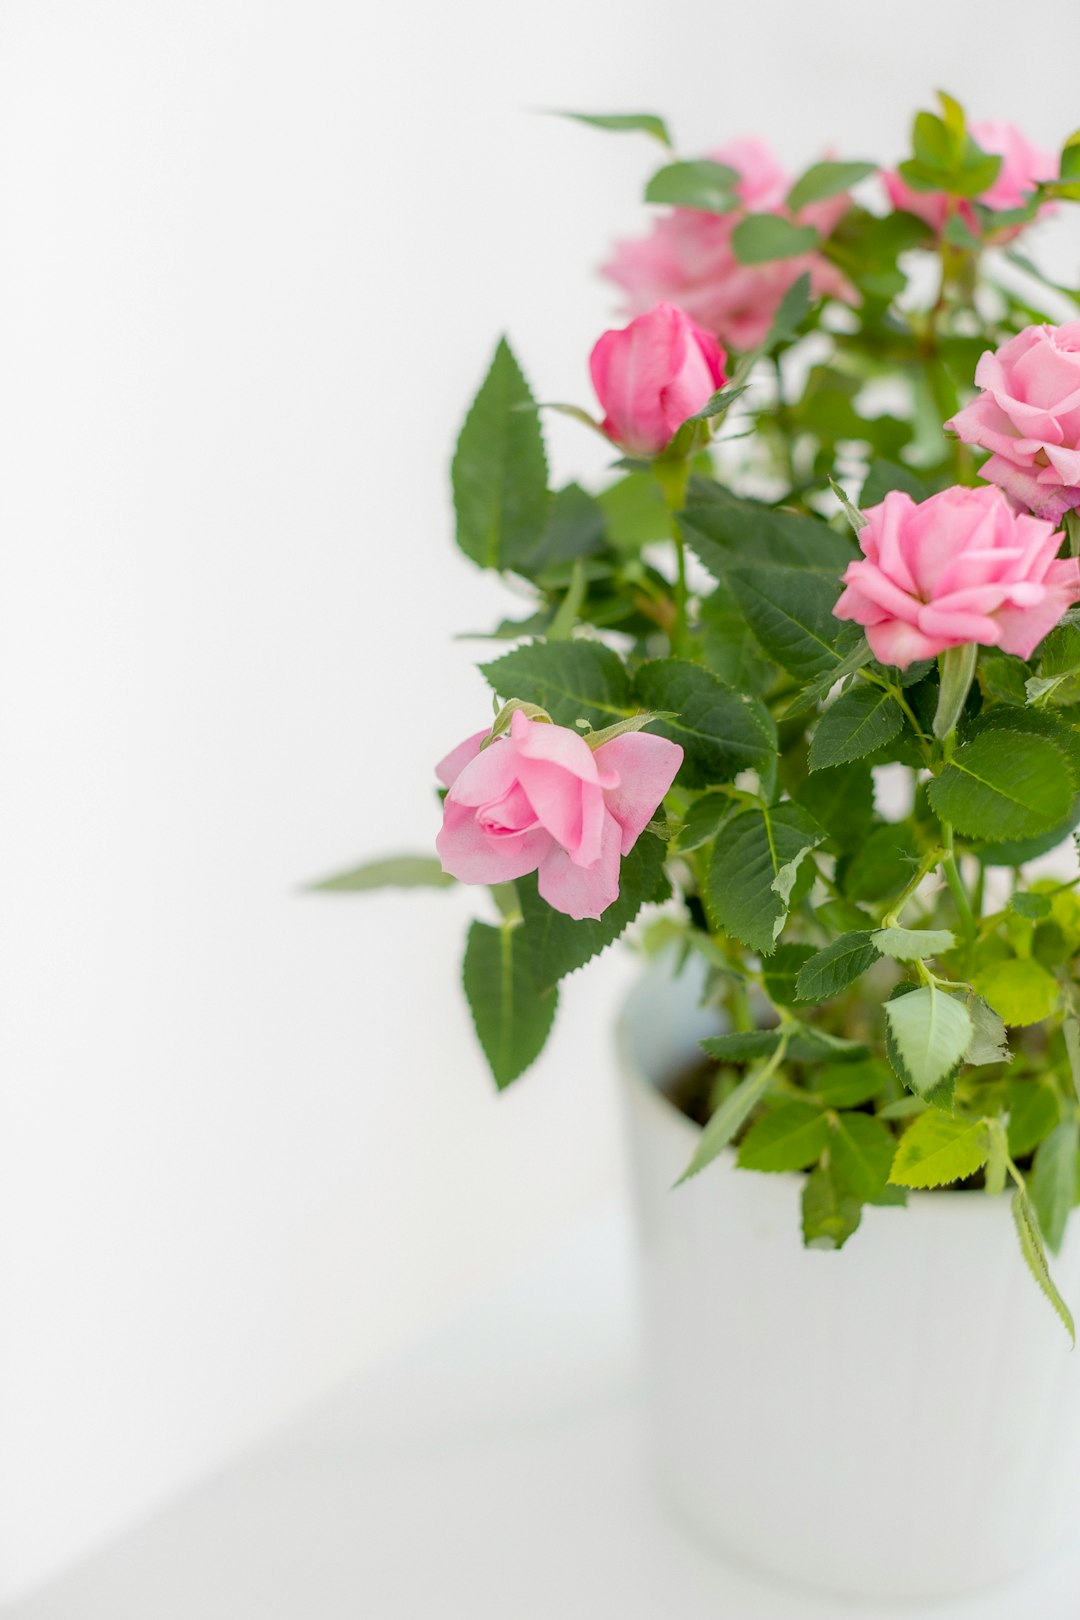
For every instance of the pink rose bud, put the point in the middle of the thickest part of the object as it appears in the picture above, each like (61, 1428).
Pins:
(652, 375)
(961, 567)
(1022, 167)
(688, 260)
(540, 800)
(1028, 415)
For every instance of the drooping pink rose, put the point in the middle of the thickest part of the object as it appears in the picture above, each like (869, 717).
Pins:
(688, 259)
(538, 799)
(1022, 165)
(1028, 415)
(653, 374)
(963, 566)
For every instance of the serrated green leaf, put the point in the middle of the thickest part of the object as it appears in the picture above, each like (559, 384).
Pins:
(1053, 1182)
(859, 722)
(1019, 990)
(789, 1137)
(930, 1032)
(780, 972)
(888, 475)
(572, 680)
(827, 179)
(393, 872)
(700, 183)
(803, 1044)
(499, 472)
(574, 528)
(720, 731)
(1033, 1110)
(913, 944)
(989, 1044)
(725, 531)
(704, 819)
(790, 612)
(861, 1151)
(859, 656)
(830, 1214)
(623, 728)
(512, 1019)
(836, 966)
(753, 869)
(1031, 1247)
(763, 238)
(729, 1118)
(554, 944)
(882, 864)
(1003, 784)
(624, 123)
(846, 1085)
(938, 1149)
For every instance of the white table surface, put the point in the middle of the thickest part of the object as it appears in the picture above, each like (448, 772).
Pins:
(497, 1471)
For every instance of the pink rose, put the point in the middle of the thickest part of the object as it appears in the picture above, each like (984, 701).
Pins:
(688, 260)
(540, 800)
(1028, 415)
(652, 375)
(961, 567)
(1022, 165)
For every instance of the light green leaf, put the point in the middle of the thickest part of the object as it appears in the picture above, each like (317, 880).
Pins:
(1053, 1182)
(753, 870)
(861, 1151)
(846, 1085)
(826, 180)
(830, 1213)
(1031, 1247)
(512, 1019)
(792, 311)
(790, 1137)
(624, 123)
(393, 872)
(499, 470)
(702, 184)
(938, 1149)
(720, 731)
(621, 728)
(1019, 990)
(572, 680)
(859, 722)
(930, 1032)
(729, 1118)
(762, 238)
(1004, 784)
(836, 966)
(1033, 1112)
(913, 944)
(989, 1044)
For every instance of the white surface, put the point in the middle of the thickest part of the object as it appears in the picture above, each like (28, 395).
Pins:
(499, 1469)
(803, 1401)
(253, 257)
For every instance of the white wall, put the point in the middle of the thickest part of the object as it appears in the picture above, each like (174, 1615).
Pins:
(253, 259)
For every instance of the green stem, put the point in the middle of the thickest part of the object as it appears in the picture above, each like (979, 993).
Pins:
(673, 477)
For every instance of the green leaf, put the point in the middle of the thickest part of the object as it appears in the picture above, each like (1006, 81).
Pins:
(753, 871)
(888, 475)
(989, 1044)
(725, 532)
(1053, 1180)
(834, 968)
(790, 612)
(842, 800)
(742, 1046)
(394, 872)
(938, 1149)
(1033, 1112)
(703, 820)
(634, 511)
(554, 944)
(1031, 1247)
(790, 1137)
(512, 1020)
(624, 123)
(830, 1213)
(846, 1085)
(1019, 990)
(859, 722)
(913, 944)
(1003, 784)
(574, 528)
(791, 312)
(572, 680)
(720, 731)
(729, 1118)
(882, 864)
(803, 1044)
(702, 184)
(861, 1151)
(780, 973)
(826, 180)
(930, 1032)
(499, 471)
(761, 238)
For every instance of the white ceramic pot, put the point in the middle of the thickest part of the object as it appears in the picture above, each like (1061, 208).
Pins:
(900, 1419)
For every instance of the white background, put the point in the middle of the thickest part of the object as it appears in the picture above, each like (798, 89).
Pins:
(254, 258)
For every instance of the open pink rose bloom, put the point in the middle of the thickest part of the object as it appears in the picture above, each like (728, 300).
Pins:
(1022, 165)
(540, 800)
(652, 375)
(1028, 416)
(961, 567)
(688, 259)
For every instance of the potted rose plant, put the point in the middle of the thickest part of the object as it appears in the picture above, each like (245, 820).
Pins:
(799, 694)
